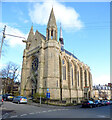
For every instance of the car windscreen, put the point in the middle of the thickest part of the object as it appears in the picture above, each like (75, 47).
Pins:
(90, 101)
(24, 97)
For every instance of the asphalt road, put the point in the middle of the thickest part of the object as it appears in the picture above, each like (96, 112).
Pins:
(13, 110)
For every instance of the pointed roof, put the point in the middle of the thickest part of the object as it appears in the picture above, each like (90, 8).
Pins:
(31, 30)
(31, 34)
(52, 20)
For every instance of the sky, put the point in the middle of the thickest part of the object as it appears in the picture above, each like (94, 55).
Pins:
(85, 27)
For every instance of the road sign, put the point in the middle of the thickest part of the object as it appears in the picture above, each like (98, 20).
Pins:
(48, 95)
(47, 89)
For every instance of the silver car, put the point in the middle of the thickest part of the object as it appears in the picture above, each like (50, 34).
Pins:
(20, 99)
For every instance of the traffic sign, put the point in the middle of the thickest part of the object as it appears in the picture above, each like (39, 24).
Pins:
(48, 95)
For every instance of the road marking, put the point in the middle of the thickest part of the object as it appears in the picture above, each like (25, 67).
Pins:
(54, 110)
(44, 111)
(49, 110)
(37, 112)
(31, 113)
(23, 115)
(5, 115)
(102, 116)
(13, 116)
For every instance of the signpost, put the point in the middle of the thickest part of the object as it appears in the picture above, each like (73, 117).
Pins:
(48, 95)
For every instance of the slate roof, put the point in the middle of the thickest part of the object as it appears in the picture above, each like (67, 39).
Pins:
(69, 53)
(42, 36)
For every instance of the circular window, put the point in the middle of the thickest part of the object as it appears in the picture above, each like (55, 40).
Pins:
(35, 64)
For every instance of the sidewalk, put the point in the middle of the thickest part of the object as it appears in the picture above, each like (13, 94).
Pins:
(53, 106)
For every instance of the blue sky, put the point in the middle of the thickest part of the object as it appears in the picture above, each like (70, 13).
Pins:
(86, 31)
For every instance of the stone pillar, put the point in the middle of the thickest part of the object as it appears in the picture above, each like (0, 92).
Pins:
(49, 33)
(53, 34)
(69, 78)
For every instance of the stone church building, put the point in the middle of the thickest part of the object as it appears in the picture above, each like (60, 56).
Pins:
(48, 66)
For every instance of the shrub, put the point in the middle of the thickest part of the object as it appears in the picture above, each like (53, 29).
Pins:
(37, 95)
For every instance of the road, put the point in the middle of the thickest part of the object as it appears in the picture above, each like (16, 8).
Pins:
(13, 110)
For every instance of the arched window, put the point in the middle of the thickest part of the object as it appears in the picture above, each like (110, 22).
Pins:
(72, 76)
(72, 73)
(89, 78)
(75, 75)
(64, 69)
(81, 76)
(85, 74)
(78, 77)
(51, 34)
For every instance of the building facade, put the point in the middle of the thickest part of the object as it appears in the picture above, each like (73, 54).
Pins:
(102, 92)
(47, 65)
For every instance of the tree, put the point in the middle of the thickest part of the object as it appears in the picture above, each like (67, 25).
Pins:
(9, 74)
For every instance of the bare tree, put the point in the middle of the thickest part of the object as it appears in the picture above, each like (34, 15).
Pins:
(9, 75)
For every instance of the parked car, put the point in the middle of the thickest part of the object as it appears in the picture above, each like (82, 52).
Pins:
(20, 99)
(88, 103)
(98, 103)
(102, 102)
(8, 97)
(108, 102)
(1, 100)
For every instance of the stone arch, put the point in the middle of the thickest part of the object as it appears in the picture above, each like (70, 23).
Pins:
(78, 75)
(75, 73)
(85, 76)
(64, 68)
(72, 67)
(81, 77)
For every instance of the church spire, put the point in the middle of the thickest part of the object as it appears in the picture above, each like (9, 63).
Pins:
(61, 37)
(52, 20)
(51, 31)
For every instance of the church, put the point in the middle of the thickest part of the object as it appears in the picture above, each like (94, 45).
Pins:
(48, 67)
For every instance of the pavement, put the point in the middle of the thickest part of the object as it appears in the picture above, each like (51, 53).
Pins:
(53, 106)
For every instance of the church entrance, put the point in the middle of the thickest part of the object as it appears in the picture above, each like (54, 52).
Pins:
(33, 91)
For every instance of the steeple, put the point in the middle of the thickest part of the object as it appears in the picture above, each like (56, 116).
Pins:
(51, 31)
(52, 20)
(31, 34)
(61, 37)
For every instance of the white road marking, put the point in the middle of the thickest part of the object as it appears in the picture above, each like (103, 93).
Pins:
(49, 110)
(23, 115)
(102, 116)
(5, 115)
(44, 111)
(13, 116)
(54, 110)
(31, 113)
(37, 112)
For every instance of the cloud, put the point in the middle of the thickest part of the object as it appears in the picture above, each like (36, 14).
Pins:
(68, 16)
(26, 21)
(13, 41)
(102, 79)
